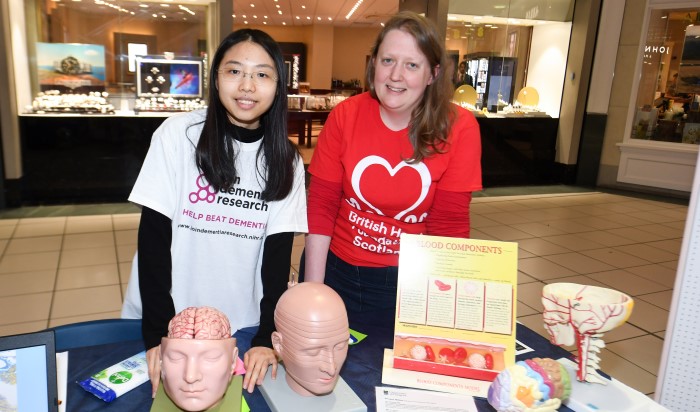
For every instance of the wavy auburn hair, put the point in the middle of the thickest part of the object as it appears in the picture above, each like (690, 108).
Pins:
(432, 118)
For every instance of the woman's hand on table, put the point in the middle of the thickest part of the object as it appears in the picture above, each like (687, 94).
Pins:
(256, 362)
(153, 360)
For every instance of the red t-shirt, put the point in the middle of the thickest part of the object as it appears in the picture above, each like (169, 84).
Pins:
(383, 196)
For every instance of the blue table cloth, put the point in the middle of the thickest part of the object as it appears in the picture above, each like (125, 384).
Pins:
(362, 369)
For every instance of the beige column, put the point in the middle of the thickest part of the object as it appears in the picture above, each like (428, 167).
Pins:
(434, 10)
(320, 57)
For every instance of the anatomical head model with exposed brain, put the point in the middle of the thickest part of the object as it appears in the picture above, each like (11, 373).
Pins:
(311, 338)
(198, 358)
(579, 315)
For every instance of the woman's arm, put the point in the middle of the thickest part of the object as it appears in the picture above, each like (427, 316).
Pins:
(276, 262)
(155, 281)
(316, 253)
(155, 275)
(449, 214)
(323, 205)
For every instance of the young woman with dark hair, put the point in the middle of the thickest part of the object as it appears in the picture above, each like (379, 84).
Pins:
(222, 195)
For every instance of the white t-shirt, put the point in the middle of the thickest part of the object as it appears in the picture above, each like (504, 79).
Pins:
(218, 237)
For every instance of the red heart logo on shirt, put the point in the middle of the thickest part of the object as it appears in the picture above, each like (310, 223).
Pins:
(420, 168)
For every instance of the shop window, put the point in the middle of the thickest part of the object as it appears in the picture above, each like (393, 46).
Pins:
(669, 86)
(506, 48)
(78, 47)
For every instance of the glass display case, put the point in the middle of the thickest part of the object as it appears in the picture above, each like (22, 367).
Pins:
(668, 97)
(83, 47)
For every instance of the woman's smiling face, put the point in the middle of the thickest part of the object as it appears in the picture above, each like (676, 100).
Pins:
(402, 72)
(247, 99)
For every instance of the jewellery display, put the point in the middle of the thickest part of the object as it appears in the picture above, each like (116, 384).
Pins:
(52, 101)
(168, 104)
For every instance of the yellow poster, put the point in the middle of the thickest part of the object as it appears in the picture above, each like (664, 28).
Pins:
(455, 310)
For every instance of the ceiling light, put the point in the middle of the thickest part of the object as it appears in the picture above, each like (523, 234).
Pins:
(233, 15)
(303, 7)
(145, 6)
(245, 21)
(284, 23)
(164, 5)
(318, 18)
(255, 16)
(352, 10)
(252, 5)
(330, 19)
(308, 17)
(264, 17)
(244, 16)
(279, 11)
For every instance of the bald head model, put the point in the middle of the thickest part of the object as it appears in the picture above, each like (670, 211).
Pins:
(312, 337)
(198, 358)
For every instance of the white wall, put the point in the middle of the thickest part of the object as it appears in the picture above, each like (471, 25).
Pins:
(547, 65)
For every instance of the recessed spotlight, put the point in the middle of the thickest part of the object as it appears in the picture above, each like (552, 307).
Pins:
(145, 6)
(252, 5)
(308, 17)
(318, 18)
(279, 11)
(303, 7)
(244, 16)
(284, 23)
(330, 19)
(277, 5)
(164, 5)
(233, 15)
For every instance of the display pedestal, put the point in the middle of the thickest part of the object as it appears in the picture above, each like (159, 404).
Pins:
(615, 396)
(280, 397)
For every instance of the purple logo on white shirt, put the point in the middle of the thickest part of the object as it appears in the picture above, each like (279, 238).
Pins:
(204, 192)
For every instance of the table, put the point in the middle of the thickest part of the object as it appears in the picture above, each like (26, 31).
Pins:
(362, 369)
(303, 119)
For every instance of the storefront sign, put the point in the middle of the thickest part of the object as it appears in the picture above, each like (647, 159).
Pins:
(657, 49)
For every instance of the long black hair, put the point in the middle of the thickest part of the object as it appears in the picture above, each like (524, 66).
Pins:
(216, 154)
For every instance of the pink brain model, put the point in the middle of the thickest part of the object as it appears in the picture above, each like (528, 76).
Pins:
(199, 323)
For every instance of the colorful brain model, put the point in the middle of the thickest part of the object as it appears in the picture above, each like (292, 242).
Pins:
(538, 384)
(199, 323)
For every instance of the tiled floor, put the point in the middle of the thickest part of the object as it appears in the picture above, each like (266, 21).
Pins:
(61, 265)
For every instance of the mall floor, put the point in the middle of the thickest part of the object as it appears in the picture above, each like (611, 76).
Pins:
(65, 264)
